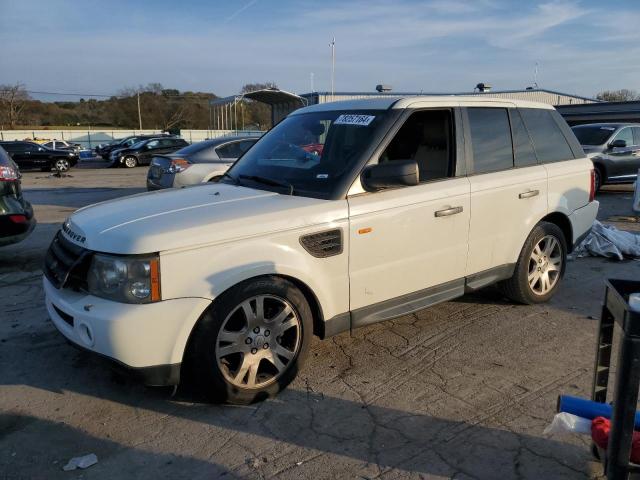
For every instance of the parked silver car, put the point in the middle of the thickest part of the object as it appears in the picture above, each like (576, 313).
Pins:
(614, 149)
(200, 162)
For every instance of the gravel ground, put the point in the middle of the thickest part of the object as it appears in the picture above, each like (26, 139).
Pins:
(461, 390)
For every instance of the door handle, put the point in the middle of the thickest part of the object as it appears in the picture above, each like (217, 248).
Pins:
(448, 211)
(529, 194)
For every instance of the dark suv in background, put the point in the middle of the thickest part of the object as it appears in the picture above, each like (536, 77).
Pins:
(104, 150)
(614, 149)
(141, 153)
(16, 214)
(31, 155)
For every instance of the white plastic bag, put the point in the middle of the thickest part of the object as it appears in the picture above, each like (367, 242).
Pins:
(564, 423)
(608, 241)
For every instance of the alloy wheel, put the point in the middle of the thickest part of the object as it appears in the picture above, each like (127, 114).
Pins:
(130, 162)
(62, 165)
(257, 341)
(545, 265)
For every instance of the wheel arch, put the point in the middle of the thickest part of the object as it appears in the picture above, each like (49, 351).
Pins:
(310, 296)
(563, 223)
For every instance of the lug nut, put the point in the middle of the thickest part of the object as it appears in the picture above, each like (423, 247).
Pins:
(256, 330)
(254, 350)
(266, 345)
(266, 333)
(247, 341)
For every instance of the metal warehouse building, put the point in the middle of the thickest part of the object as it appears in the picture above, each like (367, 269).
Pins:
(225, 110)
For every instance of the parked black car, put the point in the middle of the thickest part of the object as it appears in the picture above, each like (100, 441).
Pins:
(104, 150)
(31, 155)
(614, 149)
(141, 153)
(16, 214)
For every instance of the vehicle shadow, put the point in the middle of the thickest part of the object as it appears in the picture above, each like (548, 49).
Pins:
(21, 439)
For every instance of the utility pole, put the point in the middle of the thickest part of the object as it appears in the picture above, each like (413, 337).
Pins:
(139, 114)
(311, 78)
(333, 65)
(535, 76)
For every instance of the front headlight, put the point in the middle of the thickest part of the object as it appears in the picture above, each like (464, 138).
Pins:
(125, 279)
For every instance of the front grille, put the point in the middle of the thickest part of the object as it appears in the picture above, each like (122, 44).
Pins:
(323, 244)
(65, 262)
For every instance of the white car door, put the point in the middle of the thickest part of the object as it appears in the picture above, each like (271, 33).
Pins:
(507, 197)
(408, 245)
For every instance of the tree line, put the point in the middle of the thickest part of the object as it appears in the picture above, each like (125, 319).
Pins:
(161, 108)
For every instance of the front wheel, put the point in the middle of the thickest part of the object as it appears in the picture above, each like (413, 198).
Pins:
(252, 342)
(130, 161)
(540, 266)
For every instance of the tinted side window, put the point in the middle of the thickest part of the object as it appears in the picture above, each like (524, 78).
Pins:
(636, 135)
(490, 139)
(625, 134)
(524, 154)
(229, 150)
(246, 144)
(548, 140)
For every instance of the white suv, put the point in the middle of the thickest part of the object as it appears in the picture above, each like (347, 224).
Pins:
(401, 204)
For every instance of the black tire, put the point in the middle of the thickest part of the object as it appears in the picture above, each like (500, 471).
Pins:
(599, 177)
(130, 161)
(204, 370)
(517, 287)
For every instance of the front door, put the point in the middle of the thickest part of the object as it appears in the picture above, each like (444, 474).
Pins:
(625, 160)
(408, 246)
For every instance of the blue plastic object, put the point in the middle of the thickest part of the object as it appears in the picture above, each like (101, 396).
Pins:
(587, 408)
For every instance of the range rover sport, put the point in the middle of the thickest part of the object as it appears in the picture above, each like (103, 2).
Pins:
(408, 202)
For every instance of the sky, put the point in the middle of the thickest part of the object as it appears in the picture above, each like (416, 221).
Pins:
(100, 47)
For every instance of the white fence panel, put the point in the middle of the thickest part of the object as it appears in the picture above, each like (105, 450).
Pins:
(86, 138)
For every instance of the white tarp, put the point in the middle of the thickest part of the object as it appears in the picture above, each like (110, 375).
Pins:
(608, 241)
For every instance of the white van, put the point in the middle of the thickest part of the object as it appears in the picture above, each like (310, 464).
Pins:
(401, 204)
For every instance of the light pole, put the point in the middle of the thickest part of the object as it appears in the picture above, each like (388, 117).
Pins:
(333, 66)
(139, 114)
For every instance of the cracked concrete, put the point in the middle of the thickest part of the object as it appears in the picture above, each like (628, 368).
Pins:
(462, 390)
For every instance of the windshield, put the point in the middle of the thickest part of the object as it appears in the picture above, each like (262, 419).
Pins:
(593, 135)
(308, 154)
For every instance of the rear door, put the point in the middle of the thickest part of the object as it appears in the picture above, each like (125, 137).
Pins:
(508, 192)
(408, 245)
(17, 151)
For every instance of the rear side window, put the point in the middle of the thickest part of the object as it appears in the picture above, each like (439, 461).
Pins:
(524, 154)
(548, 140)
(636, 135)
(490, 139)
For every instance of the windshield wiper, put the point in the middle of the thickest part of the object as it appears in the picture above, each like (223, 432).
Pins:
(268, 181)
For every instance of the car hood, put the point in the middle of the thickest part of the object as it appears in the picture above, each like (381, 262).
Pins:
(182, 218)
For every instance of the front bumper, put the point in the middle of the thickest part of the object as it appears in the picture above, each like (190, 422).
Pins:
(148, 339)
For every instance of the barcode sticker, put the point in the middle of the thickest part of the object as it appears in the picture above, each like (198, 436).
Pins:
(361, 120)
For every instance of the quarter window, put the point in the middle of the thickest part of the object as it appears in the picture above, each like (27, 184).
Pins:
(491, 139)
(548, 140)
(230, 150)
(636, 135)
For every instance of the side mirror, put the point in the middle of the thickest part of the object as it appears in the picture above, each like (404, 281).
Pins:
(397, 173)
(618, 144)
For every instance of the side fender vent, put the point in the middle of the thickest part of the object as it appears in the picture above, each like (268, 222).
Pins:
(323, 244)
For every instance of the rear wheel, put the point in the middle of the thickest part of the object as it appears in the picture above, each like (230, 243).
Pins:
(130, 161)
(252, 342)
(598, 174)
(540, 266)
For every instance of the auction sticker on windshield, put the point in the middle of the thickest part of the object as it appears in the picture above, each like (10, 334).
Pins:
(362, 120)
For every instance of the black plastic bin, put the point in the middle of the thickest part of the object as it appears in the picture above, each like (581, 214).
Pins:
(627, 382)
